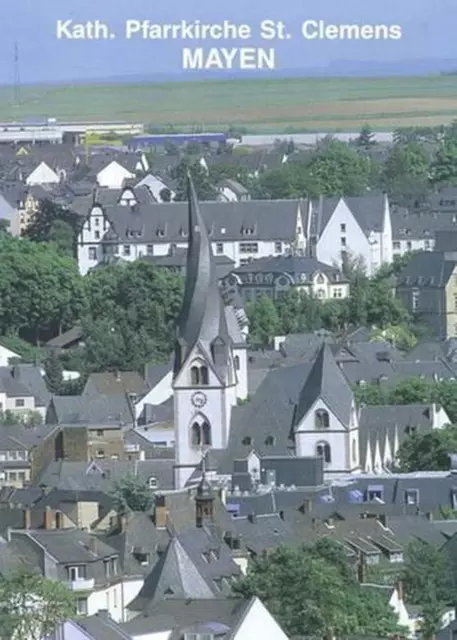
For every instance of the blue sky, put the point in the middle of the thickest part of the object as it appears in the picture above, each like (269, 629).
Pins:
(428, 32)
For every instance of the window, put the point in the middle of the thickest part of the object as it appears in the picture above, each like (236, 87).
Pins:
(412, 496)
(200, 434)
(100, 433)
(343, 228)
(97, 222)
(110, 567)
(247, 441)
(323, 451)
(126, 249)
(76, 573)
(396, 557)
(396, 246)
(219, 247)
(372, 558)
(375, 492)
(19, 402)
(199, 375)
(100, 453)
(321, 419)
(320, 279)
(409, 245)
(12, 476)
(427, 245)
(153, 483)
(97, 235)
(92, 253)
(150, 249)
(249, 247)
(343, 241)
(415, 299)
(81, 606)
(337, 293)
(278, 247)
(269, 441)
(237, 363)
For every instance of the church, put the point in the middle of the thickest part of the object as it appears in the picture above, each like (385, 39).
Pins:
(306, 411)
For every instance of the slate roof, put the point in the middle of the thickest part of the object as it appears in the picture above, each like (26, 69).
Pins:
(325, 381)
(67, 338)
(226, 221)
(426, 268)
(12, 384)
(292, 264)
(102, 475)
(91, 411)
(101, 627)
(180, 614)
(202, 319)
(408, 225)
(112, 384)
(69, 545)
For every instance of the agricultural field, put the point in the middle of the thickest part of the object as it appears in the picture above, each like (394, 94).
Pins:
(261, 106)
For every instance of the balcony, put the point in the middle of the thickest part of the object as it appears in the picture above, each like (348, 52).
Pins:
(81, 584)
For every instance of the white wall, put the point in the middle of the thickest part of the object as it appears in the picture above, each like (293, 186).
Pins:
(259, 623)
(5, 355)
(113, 176)
(42, 175)
(159, 394)
(109, 599)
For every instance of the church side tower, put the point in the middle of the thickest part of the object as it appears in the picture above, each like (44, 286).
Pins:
(204, 377)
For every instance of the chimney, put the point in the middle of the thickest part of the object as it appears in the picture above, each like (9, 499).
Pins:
(48, 518)
(252, 519)
(93, 544)
(122, 523)
(401, 595)
(308, 505)
(27, 518)
(160, 513)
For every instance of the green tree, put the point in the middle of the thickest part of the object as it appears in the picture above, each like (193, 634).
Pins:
(428, 451)
(366, 138)
(203, 187)
(427, 575)
(312, 591)
(53, 372)
(132, 494)
(263, 319)
(41, 291)
(338, 170)
(53, 223)
(405, 173)
(444, 166)
(32, 607)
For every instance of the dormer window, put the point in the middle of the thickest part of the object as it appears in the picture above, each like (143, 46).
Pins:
(160, 233)
(412, 496)
(247, 441)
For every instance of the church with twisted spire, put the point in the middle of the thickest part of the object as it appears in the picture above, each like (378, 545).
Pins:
(210, 364)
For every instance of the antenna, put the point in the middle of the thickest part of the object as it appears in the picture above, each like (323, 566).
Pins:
(16, 77)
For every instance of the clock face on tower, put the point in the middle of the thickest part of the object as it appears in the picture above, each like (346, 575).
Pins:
(198, 399)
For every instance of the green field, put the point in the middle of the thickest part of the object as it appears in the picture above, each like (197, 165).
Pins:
(262, 106)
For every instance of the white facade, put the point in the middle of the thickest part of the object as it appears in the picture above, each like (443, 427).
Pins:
(42, 175)
(343, 233)
(337, 443)
(162, 391)
(202, 408)
(113, 176)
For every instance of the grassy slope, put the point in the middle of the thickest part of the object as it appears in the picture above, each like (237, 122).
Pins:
(260, 105)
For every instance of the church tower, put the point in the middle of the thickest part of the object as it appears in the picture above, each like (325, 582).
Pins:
(204, 376)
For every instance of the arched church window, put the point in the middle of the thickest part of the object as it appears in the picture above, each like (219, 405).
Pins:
(195, 375)
(204, 378)
(237, 363)
(206, 433)
(322, 419)
(323, 451)
(195, 435)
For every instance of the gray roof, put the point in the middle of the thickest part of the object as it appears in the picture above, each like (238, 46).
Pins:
(68, 545)
(102, 475)
(326, 381)
(367, 210)
(94, 410)
(202, 319)
(101, 627)
(293, 264)
(428, 268)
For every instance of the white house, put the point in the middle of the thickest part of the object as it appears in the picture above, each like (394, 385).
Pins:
(43, 174)
(360, 227)
(114, 175)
